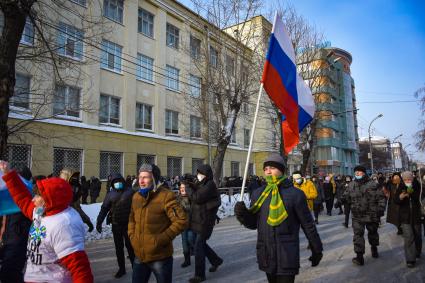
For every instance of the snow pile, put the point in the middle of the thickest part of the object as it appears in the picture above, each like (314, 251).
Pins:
(92, 210)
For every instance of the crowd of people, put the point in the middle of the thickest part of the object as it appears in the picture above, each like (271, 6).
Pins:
(148, 211)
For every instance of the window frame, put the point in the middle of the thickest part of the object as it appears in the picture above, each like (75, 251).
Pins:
(110, 97)
(195, 85)
(66, 102)
(213, 57)
(68, 150)
(14, 97)
(26, 28)
(172, 36)
(112, 18)
(233, 136)
(246, 137)
(69, 32)
(195, 53)
(198, 125)
(143, 68)
(171, 131)
(141, 19)
(109, 161)
(232, 163)
(105, 56)
(143, 108)
(172, 79)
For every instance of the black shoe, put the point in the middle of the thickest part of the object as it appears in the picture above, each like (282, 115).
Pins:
(186, 262)
(345, 225)
(340, 213)
(316, 221)
(374, 251)
(197, 279)
(410, 264)
(359, 260)
(120, 273)
(399, 231)
(213, 268)
(418, 255)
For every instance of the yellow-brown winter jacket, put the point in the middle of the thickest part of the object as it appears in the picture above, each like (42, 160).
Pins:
(153, 224)
(309, 190)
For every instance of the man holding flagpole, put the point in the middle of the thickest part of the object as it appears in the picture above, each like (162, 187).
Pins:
(278, 209)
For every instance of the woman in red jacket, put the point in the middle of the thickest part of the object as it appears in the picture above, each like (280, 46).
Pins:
(55, 248)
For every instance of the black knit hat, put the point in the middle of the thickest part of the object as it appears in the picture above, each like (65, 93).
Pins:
(275, 160)
(360, 168)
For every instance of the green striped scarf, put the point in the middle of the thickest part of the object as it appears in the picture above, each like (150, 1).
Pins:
(277, 210)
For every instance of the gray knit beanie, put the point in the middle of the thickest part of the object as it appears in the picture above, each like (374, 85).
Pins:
(275, 160)
(407, 174)
(153, 169)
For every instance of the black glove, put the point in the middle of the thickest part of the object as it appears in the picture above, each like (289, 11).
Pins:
(99, 227)
(91, 227)
(240, 209)
(315, 258)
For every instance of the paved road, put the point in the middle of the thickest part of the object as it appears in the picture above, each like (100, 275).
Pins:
(236, 246)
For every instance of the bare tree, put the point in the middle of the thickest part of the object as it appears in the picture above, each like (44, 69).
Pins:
(44, 39)
(228, 69)
(420, 135)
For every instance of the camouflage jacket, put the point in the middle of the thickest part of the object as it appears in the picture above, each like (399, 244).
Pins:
(367, 200)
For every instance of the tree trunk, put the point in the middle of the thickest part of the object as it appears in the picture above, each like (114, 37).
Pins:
(15, 13)
(218, 160)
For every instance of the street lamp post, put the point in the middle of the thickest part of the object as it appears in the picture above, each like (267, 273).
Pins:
(392, 152)
(370, 142)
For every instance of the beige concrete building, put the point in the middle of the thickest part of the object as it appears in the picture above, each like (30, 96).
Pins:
(125, 100)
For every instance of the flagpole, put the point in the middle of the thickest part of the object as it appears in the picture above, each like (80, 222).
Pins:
(260, 92)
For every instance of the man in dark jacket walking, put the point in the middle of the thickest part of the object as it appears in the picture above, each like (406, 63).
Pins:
(277, 212)
(205, 200)
(407, 198)
(367, 202)
(95, 186)
(118, 204)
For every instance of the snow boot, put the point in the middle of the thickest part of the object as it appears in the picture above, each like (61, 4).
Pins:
(359, 260)
(374, 251)
(213, 268)
(186, 262)
(411, 264)
(121, 272)
(197, 279)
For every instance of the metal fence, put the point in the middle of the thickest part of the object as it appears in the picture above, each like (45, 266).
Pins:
(144, 159)
(110, 163)
(67, 158)
(19, 155)
(174, 166)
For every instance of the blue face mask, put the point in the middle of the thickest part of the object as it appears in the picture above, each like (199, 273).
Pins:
(119, 186)
(358, 177)
(39, 210)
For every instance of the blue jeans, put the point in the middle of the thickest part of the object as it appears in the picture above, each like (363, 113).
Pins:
(188, 240)
(162, 269)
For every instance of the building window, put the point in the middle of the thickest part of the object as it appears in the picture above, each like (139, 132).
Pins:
(195, 85)
(145, 68)
(213, 57)
(28, 33)
(109, 111)
(145, 23)
(66, 101)
(111, 56)
(245, 108)
(174, 166)
(21, 95)
(18, 155)
(67, 158)
(230, 65)
(251, 169)
(143, 116)
(172, 36)
(196, 163)
(233, 136)
(144, 159)
(195, 47)
(172, 78)
(113, 10)
(234, 169)
(80, 2)
(70, 41)
(195, 127)
(246, 137)
(110, 163)
(171, 122)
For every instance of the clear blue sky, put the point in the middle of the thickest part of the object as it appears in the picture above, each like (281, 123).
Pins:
(387, 41)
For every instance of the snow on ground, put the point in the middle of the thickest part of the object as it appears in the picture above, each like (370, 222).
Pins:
(92, 210)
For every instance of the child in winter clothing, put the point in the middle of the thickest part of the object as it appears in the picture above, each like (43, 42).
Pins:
(55, 248)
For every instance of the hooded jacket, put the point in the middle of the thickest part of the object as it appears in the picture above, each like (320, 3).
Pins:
(56, 239)
(205, 200)
(309, 190)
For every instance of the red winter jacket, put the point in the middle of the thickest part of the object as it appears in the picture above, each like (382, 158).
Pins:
(57, 194)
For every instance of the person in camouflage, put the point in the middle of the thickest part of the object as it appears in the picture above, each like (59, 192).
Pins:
(367, 203)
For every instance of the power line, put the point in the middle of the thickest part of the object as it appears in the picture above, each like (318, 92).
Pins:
(390, 101)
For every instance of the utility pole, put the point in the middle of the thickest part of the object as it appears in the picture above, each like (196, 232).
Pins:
(370, 142)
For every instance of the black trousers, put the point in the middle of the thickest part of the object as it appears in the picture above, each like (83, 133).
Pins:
(120, 238)
(329, 204)
(359, 228)
(13, 258)
(347, 210)
(316, 210)
(273, 278)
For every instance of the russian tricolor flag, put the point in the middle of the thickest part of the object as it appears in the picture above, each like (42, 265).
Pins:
(285, 86)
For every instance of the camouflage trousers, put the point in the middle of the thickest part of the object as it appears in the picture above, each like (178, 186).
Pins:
(358, 238)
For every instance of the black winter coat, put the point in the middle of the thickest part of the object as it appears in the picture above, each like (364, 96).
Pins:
(118, 204)
(393, 210)
(409, 208)
(17, 229)
(328, 190)
(205, 200)
(278, 248)
(95, 187)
